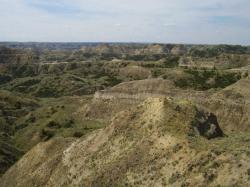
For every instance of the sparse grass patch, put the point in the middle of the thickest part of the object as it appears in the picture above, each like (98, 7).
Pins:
(56, 117)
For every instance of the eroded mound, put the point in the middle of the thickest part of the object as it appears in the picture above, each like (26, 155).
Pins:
(153, 144)
(109, 102)
(135, 72)
(138, 89)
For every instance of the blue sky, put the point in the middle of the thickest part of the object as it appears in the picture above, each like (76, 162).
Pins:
(164, 21)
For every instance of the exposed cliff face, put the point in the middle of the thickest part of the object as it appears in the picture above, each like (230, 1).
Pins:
(137, 89)
(232, 106)
(233, 117)
(238, 92)
(110, 101)
(151, 144)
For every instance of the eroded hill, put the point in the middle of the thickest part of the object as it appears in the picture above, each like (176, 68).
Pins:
(124, 115)
(158, 142)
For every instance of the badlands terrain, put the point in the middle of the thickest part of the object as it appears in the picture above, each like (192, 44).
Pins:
(90, 114)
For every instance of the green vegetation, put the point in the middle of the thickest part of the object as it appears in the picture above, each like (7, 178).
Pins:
(9, 154)
(212, 51)
(44, 91)
(56, 80)
(207, 79)
(25, 121)
(171, 62)
(55, 117)
(237, 143)
(4, 78)
(12, 107)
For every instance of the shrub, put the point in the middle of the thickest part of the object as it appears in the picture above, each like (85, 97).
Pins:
(46, 134)
(21, 126)
(171, 62)
(31, 119)
(248, 172)
(78, 134)
(5, 78)
(156, 72)
(174, 178)
(68, 123)
(200, 79)
(53, 124)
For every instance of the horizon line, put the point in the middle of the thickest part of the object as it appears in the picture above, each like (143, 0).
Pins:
(123, 42)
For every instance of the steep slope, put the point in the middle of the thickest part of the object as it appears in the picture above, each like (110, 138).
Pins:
(12, 107)
(239, 92)
(108, 102)
(154, 144)
(232, 106)
(26, 121)
(9, 154)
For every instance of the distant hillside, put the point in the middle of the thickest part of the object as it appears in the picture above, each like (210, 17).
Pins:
(46, 45)
(78, 45)
(68, 52)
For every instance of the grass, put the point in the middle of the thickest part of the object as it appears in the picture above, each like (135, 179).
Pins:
(233, 142)
(37, 120)
(56, 117)
(12, 107)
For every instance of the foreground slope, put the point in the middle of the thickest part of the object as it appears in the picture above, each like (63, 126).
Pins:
(161, 142)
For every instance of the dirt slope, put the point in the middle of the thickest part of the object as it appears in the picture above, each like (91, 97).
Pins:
(157, 143)
(108, 102)
(232, 106)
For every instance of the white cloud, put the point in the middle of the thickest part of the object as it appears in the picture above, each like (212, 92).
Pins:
(189, 21)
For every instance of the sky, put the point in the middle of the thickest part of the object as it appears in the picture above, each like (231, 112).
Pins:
(157, 21)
